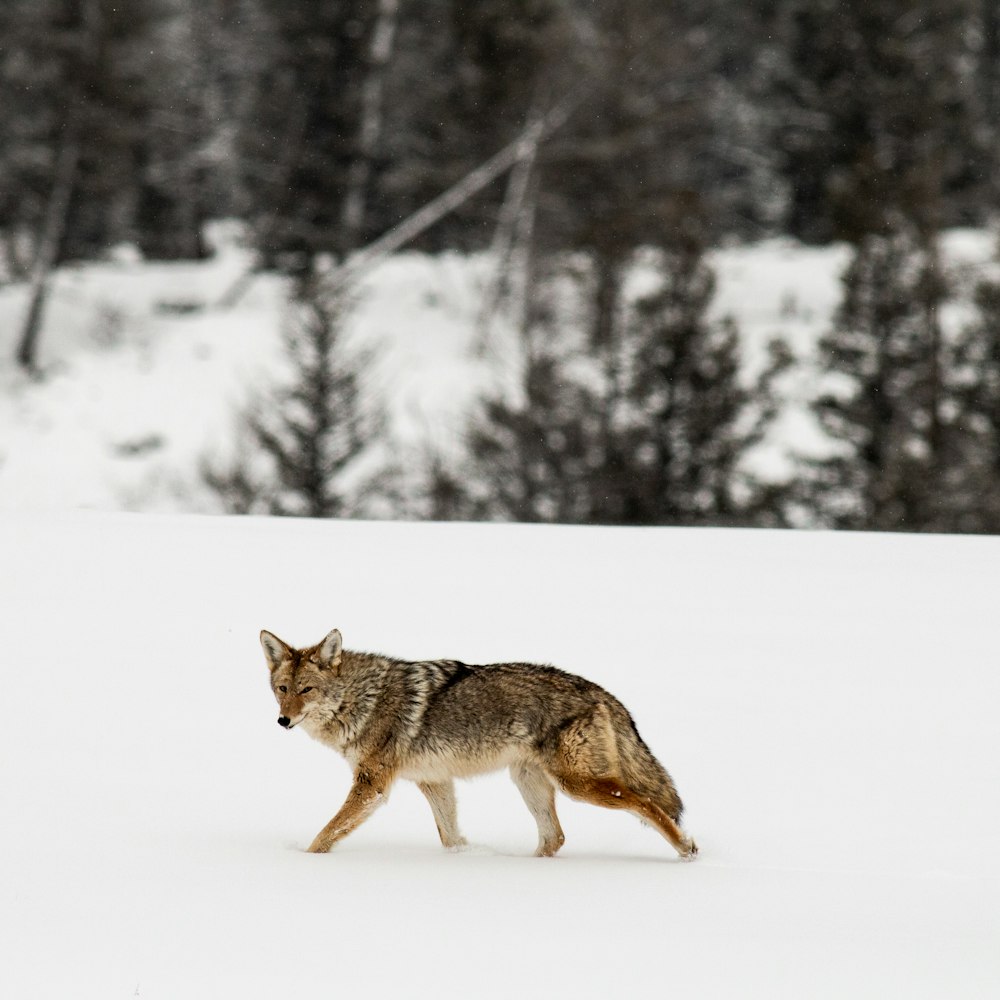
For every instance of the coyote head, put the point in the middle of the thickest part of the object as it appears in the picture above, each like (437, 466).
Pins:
(300, 678)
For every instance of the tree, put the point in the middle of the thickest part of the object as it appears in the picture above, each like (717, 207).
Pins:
(624, 172)
(187, 168)
(885, 406)
(877, 104)
(654, 429)
(59, 138)
(534, 457)
(692, 416)
(971, 484)
(306, 449)
(303, 130)
(440, 126)
(75, 84)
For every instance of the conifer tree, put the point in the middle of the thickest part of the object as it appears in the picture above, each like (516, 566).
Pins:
(300, 136)
(972, 482)
(885, 407)
(302, 456)
(690, 416)
(536, 457)
(875, 100)
(654, 429)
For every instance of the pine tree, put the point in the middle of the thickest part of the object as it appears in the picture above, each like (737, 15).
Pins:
(306, 448)
(877, 104)
(972, 483)
(691, 418)
(300, 135)
(655, 428)
(885, 406)
(535, 457)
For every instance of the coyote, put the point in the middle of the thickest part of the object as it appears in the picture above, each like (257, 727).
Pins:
(435, 720)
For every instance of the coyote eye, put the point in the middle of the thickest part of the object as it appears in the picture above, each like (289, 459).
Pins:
(282, 689)
(305, 691)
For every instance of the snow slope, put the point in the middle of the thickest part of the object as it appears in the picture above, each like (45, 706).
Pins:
(141, 386)
(827, 704)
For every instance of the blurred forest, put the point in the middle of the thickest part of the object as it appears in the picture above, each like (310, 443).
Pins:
(578, 141)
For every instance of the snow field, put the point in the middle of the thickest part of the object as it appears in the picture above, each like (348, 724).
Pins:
(826, 703)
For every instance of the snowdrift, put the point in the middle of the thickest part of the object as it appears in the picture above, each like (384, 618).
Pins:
(826, 703)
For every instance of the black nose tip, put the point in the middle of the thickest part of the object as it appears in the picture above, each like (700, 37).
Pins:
(283, 721)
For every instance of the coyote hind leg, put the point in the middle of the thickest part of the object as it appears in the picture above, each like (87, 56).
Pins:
(539, 796)
(441, 796)
(613, 794)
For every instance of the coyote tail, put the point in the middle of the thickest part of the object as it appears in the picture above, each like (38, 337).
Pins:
(640, 769)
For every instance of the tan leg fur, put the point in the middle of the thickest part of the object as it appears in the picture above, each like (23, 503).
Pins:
(587, 767)
(367, 793)
(441, 796)
(539, 796)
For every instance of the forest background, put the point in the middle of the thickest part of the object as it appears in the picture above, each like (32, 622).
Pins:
(598, 154)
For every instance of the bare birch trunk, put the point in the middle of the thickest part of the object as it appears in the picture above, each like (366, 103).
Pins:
(458, 193)
(48, 249)
(359, 175)
(439, 207)
(64, 182)
(514, 226)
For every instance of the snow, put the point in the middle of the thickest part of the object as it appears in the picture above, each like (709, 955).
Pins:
(826, 703)
(146, 374)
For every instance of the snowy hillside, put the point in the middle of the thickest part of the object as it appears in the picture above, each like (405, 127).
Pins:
(145, 374)
(827, 704)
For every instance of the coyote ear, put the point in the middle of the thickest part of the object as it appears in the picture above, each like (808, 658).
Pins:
(330, 647)
(274, 649)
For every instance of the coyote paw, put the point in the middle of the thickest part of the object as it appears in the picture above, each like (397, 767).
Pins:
(690, 852)
(548, 850)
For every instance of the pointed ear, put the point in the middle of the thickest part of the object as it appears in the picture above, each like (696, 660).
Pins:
(274, 649)
(330, 647)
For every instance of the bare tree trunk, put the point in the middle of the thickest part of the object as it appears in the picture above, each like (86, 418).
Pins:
(439, 207)
(48, 248)
(291, 148)
(607, 295)
(514, 226)
(458, 193)
(524, 315)
(932, 291)
(15, 258)
(989, 60)
(359, 175)
(91, 27)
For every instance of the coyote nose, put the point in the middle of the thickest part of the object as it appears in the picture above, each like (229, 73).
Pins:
(283, 721)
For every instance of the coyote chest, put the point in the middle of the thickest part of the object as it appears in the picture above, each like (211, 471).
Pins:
(433, 721)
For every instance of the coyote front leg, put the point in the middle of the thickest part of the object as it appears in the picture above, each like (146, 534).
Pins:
(367, 793)
(441, 796)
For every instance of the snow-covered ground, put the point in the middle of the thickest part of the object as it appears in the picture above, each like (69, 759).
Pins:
(145, 374)
(827, 704)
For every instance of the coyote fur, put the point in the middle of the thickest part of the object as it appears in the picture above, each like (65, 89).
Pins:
(435, 720)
